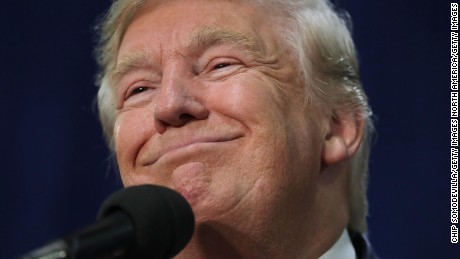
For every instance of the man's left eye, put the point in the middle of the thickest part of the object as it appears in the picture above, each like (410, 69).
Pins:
(221, 65)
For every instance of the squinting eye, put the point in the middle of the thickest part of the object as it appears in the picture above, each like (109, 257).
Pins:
(221, 65)
(138, 90)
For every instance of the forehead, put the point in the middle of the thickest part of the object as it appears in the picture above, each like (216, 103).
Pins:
(189, 27)
(194, 24)
(198, 10)
(199, 39)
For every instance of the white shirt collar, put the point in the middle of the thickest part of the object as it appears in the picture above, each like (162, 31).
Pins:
(343, 248)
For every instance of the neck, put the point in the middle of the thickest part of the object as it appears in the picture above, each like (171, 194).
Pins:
(287, 241)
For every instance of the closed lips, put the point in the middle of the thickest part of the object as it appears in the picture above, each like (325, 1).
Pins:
(160, 149)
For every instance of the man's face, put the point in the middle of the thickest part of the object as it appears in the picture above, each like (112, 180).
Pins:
(210, 104)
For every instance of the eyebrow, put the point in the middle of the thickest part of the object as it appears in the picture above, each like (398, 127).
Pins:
(206, 37)
(131, 62)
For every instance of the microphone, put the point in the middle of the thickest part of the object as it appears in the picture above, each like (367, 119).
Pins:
(145, 221)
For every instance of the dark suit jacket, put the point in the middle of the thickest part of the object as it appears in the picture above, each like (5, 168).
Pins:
(362, 246)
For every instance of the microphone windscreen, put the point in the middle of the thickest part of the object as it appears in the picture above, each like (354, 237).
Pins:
(163, 220)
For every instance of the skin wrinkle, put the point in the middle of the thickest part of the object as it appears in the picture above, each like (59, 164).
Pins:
(207, 37)
(201, 38)
(249, 193)
(236, 206)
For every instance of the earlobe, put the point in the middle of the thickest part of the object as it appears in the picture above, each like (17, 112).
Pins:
(343, 139)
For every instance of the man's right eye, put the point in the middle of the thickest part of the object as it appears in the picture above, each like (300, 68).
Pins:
(137, 95)
(138, 90)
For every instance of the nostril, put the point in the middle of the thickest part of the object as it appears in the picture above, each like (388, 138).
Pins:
(186, 117)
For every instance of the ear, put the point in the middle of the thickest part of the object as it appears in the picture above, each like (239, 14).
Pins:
(343, 139)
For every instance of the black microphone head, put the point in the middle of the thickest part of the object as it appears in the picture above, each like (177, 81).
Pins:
(163, 220)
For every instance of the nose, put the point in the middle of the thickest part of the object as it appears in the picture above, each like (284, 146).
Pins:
(177, 104)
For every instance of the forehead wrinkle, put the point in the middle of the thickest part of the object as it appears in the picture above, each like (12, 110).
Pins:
(205, 37)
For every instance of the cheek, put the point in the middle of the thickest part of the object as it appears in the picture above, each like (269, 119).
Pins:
(282, 125)
(246, 99)
(132, 129)
(256, 103)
